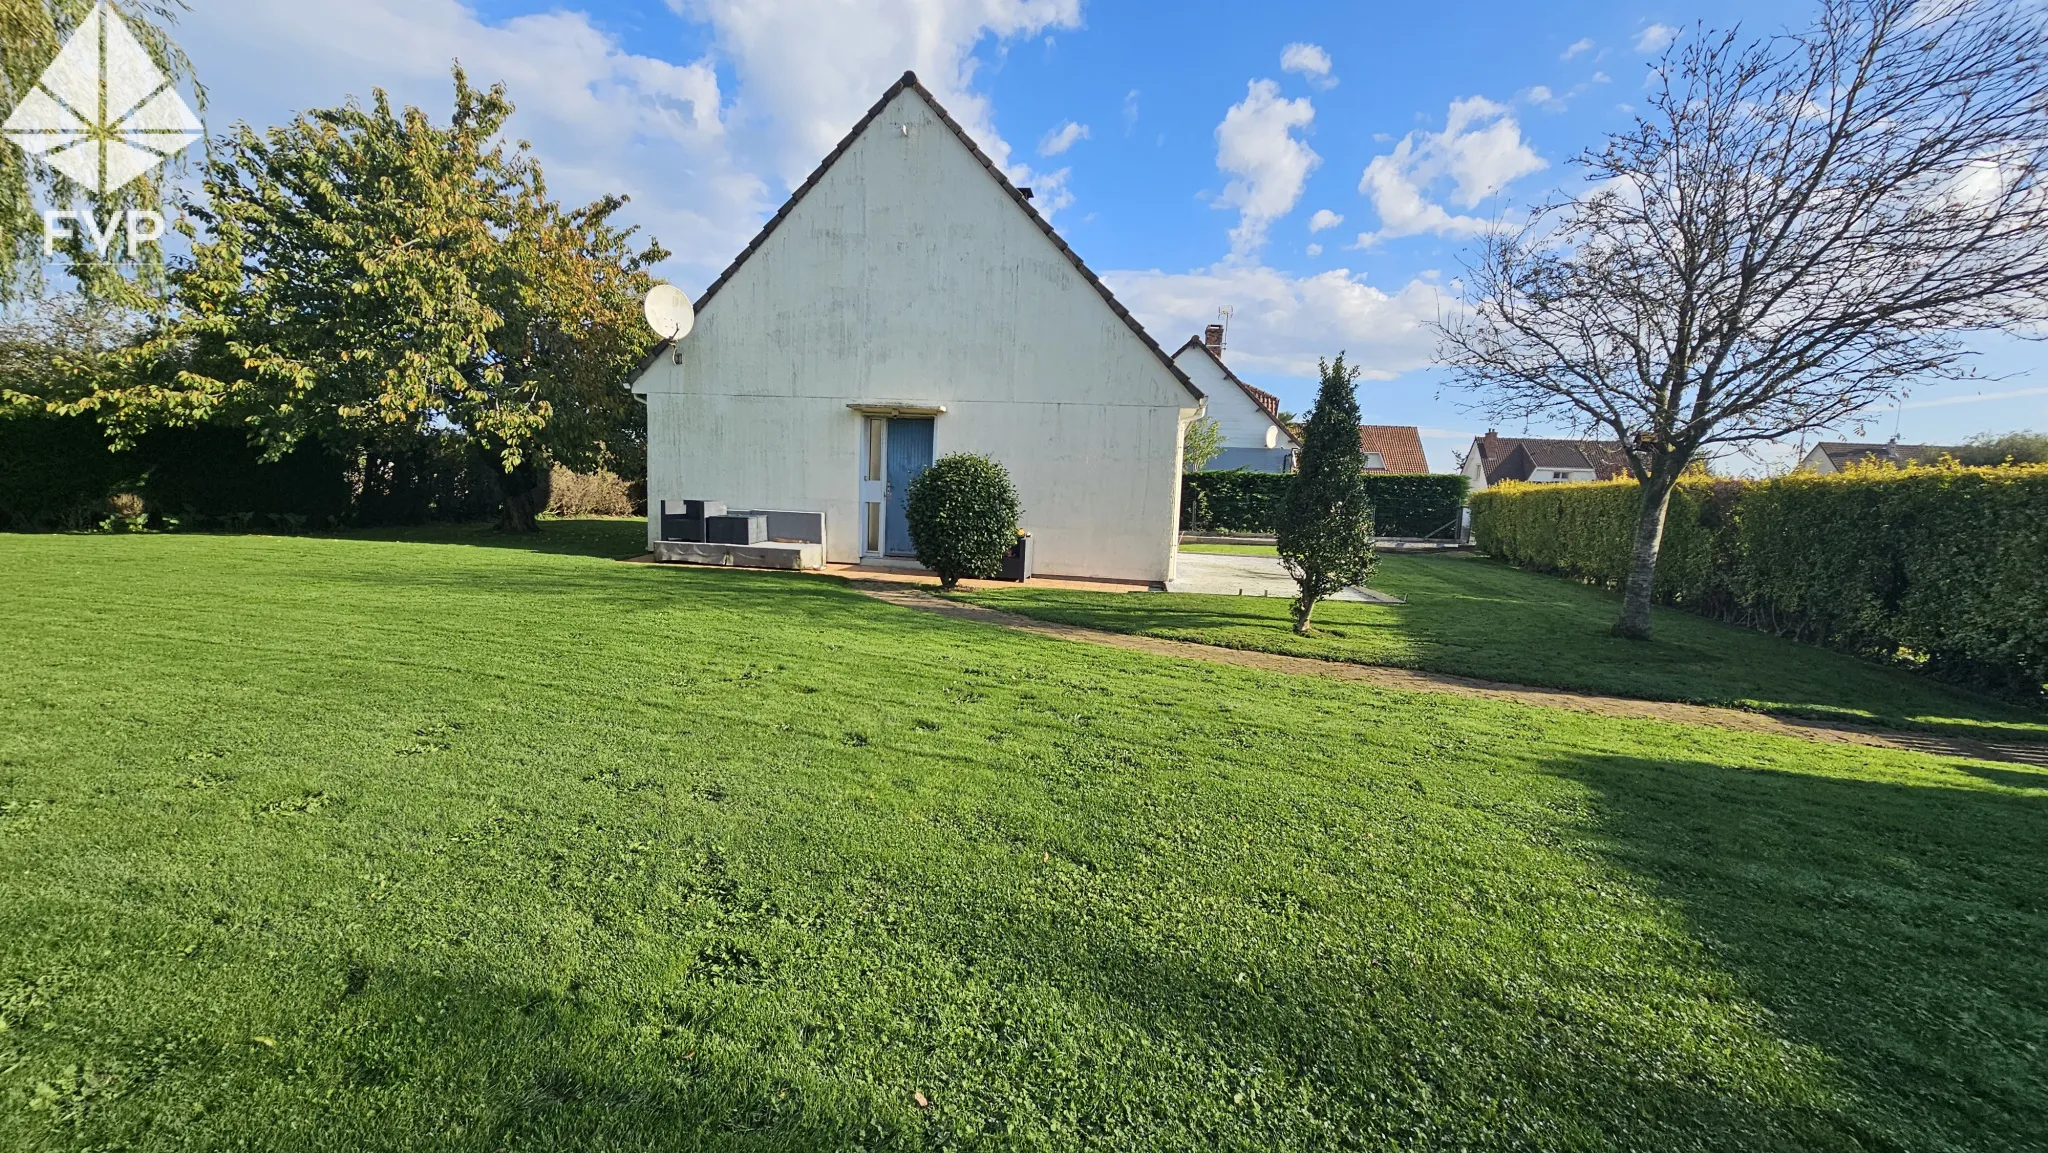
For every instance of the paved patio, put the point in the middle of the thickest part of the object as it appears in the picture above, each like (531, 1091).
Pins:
(1251, 576)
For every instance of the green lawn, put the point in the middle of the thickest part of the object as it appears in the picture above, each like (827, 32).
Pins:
(1477, 617)
(327, 843)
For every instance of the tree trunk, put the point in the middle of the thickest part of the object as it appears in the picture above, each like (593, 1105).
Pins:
(524, 492)
(1303, 607)
(1642, 562)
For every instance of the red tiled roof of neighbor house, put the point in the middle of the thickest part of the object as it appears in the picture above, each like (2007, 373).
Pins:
(1399, 446)
(1262, 398)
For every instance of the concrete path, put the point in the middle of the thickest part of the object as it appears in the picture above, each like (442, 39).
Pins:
(1253, 576)
(1410, 680)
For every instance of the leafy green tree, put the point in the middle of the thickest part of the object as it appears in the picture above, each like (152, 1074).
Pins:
(364, 277)
(963, 517)
(1325, 520)
(2007, 448)
(1202, 443)
(31, 33)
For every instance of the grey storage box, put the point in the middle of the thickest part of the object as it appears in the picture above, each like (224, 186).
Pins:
(704, 509)
(740, 528)
(680, 526)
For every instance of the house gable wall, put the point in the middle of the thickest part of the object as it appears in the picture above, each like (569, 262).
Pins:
(1251, 439)
(907, 272)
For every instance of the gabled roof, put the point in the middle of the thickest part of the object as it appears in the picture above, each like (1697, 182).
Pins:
(909, 81)
(1267, 402)
(1605, 458)
(1844, 454)
(1399, 446)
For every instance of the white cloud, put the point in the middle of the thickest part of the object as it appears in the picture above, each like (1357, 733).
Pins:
(1314, 250)
(1062, 138)
(1281, 323)
(1974, 398)
(1130, 111)
(1324, 218)
(704, 162)
(1655, 37)
(601, 118)
(1311, 61)
(1256, 144)
(807, 71)
(1583, 44)
(1480, 151)
(1049, 191)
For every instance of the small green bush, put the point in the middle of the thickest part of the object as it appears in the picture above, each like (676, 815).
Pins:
(1939, 567)
(963, 517)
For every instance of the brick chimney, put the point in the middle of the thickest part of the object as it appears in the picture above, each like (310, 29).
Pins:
(1212, 338)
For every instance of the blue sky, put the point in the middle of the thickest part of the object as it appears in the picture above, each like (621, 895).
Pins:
(1198, 155)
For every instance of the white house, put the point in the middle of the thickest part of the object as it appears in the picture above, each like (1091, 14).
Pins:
(1495, 458)
(908, 302)
(1248, 418)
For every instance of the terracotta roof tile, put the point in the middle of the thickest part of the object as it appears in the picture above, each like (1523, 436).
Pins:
(1399, 446)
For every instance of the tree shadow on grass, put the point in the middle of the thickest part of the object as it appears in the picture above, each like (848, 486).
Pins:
(1900, 928)
(403, 1058)
(1693, 660)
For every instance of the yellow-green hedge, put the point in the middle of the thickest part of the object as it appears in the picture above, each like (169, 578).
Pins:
(1943, 566)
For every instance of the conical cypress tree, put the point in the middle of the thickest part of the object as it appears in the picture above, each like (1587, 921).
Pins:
(1325, 530)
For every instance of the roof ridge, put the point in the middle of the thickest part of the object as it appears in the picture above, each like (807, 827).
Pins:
(910, 81)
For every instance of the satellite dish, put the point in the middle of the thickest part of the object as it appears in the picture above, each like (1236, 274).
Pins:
(668, 312)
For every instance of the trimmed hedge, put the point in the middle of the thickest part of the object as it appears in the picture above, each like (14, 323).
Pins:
(1232, 499)
(58, 473)
(1416, 504)
(1238, 500)
(1946, 568)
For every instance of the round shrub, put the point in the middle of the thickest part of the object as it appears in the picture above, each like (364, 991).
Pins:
(963, 517)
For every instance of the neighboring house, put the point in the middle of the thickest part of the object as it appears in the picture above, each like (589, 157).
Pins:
(905, 303)
(1834, 456)
(1392, 448)
(1495, 458)
(1247, 417)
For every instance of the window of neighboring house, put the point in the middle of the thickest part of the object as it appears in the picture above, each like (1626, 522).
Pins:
(1560, 476)
(1375, 460)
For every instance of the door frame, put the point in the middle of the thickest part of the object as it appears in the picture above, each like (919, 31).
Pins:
(871, 504)
(871, 524)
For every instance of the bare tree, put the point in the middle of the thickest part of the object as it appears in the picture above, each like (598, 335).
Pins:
(1797, 229)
